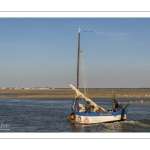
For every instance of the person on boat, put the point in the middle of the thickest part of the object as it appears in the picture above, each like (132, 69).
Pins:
(76, 105)
(87, 107)
(118, 105)
(92, 108)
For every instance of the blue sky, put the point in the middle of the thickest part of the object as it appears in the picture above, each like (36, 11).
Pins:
(42, 52)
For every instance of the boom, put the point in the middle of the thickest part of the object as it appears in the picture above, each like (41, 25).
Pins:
(79, 94)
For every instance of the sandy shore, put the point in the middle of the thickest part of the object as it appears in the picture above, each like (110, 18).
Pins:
(69, 93)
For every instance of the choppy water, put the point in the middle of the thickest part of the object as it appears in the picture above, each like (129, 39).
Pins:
(50, 115)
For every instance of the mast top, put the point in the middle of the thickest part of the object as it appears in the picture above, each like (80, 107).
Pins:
(79, 30)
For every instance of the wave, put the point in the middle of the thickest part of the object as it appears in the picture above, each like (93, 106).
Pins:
(142, 123)
(127, 126)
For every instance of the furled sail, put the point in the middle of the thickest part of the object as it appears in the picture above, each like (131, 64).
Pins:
(81, 95)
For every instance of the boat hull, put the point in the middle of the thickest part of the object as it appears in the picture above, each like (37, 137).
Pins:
(99, 117)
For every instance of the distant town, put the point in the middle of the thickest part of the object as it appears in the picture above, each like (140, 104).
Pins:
(26, 88)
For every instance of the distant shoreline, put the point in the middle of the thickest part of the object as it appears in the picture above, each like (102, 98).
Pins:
(69, 93)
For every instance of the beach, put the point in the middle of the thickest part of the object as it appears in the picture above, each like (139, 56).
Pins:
(69, 93)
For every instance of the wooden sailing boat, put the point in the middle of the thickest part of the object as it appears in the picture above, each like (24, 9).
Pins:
(99, 114)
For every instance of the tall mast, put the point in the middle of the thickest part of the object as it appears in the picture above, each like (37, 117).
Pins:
(78, 58)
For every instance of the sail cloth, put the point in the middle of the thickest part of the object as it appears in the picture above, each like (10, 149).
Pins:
(81, 95)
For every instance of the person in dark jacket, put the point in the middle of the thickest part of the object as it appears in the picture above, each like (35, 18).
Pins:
(76, 105)
(87, 107)
(118, 105)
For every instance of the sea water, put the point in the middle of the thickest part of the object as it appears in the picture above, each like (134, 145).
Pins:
(51, 115)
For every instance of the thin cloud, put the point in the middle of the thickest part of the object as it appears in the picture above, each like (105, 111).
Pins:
(113, 35)
(145, 64)
(15, 43)
(40, 31)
